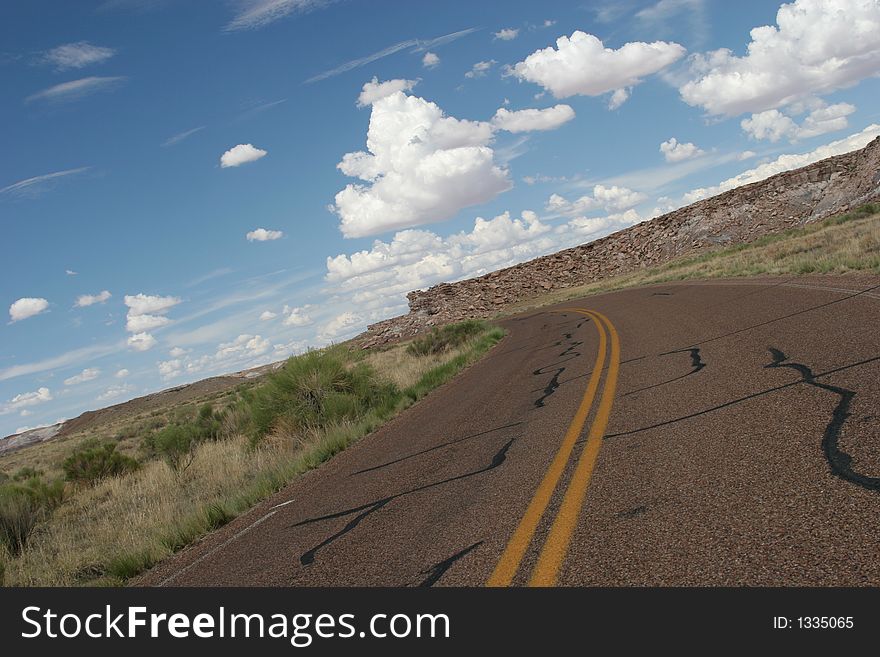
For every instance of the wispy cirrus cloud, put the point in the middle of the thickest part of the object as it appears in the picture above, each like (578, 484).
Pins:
(69, 358)
(258, 108)
(180, 136)
(76, 89)
(254, 14)
(38, 184)
(413, 45)
(76, 55)
(667, 15)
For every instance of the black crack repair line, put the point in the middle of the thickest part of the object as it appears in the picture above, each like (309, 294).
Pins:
(435, 572)
(696, 365)
(567, 354)
(434, 448)
(551, 386)
(739, 400)
(839, 461)
(365, 510)
(769, 321)
(571, 348)
(553, 383)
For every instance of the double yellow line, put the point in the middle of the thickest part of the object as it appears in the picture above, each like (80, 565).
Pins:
(556, 545)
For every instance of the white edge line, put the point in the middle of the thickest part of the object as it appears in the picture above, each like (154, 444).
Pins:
(215, 549)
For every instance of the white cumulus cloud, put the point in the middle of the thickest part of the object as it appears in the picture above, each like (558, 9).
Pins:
(168, 369)
(421, 166)
(612, 199)
(140, 323)
(815, 47)
(374, 90)
(480, 69)
(532, 119)
(27, 307)
(141, 341)
(379, 278)
(507, 34)
(618, 98)
(143, 304)
(145, 313)
(121, 374)
(88, 374)
(264, 235)
(85, 300)
(676, 151)
(241, 154)
(582, 65)
(341, 327)
(298, 316)
(788, 162)
(267, 315)
(430, 60)
(244, 345)
(773, 125)
(26, 399)
(115, 391)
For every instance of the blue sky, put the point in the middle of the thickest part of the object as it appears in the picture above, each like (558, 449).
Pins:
(193, 188)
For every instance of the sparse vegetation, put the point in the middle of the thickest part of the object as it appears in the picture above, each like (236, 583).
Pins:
(315, 391)
(203, 465)
(93, 461)
(24, 501)
(176, 442)
(444, 338)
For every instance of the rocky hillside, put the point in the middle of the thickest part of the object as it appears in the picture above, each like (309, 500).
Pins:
(740, 215)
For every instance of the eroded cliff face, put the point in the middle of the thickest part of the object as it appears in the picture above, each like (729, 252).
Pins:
(740, 215)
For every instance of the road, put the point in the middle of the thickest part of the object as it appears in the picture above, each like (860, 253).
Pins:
(702, 433)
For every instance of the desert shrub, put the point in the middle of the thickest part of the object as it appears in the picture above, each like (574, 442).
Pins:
(446, 337)
(315, 390)
(94, 460)
(47, 495)
(18, 518)
(23, 503)
(209, 422)
(148, 446)
(25, 473)
(176, 444)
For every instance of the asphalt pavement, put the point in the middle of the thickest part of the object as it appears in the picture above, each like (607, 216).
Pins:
(694, 433)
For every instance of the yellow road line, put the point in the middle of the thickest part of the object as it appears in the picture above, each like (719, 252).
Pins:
(512, 556)
(558, 540)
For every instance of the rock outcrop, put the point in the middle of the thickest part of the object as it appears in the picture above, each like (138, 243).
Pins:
(788, 199)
